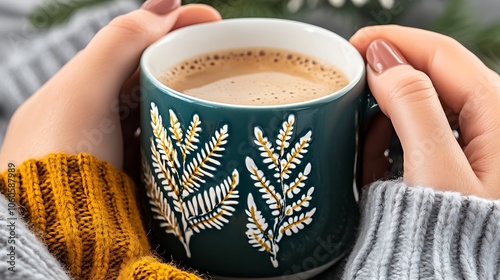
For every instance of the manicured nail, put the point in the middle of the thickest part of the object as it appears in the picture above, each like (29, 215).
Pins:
(382, 55)
(161, 7)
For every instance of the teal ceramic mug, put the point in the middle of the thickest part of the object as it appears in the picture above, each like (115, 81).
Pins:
(251, 192)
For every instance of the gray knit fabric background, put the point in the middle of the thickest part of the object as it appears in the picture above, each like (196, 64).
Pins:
(31, 260)
(417, 233)
(29, 57)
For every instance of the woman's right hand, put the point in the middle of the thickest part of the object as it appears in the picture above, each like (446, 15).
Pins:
(428, 85)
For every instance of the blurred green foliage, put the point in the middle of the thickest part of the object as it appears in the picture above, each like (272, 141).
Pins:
(246, 8)
(459, 19)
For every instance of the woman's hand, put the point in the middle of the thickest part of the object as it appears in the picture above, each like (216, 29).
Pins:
(94, 98)
(428, 85)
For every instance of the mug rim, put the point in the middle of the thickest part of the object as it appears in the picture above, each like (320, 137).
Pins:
(359, 74)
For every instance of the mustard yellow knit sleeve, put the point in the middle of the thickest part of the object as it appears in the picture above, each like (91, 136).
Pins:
(85, 211)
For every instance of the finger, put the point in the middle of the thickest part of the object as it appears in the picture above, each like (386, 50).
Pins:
(188, 15)
(409, 99)
(464, 83)
(436, 57)
(193, 14)
(130, 94)
(114, 53)
(122, 42)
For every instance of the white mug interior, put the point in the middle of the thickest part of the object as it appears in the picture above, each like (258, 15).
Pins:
(294, 36)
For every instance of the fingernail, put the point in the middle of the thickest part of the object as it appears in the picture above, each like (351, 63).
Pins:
(161, 7)
(382, 55)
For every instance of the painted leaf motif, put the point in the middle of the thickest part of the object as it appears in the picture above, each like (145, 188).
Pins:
(283, 193)
(164, 174)
(204, 162)
(302, 202)
(175, 128)
(256, 227)
(165, 146)
(160, 206)
(192, 135)
(210, 208)
(285, 134)
(269, 194)
(267, 151)
(298, 183)
(186, 210)
(296, 223)
(294, 157)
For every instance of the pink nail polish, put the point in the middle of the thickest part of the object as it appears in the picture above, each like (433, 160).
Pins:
(161, 7)
(382, 55)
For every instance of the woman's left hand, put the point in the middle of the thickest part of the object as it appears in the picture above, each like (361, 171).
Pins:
(91, 104)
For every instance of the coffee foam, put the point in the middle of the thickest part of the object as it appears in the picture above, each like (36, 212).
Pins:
(254, 76)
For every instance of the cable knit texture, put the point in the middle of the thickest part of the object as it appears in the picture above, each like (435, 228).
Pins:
(418, 233)
(85, 211)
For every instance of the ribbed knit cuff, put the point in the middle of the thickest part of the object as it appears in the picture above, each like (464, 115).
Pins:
(151, 268)
(86, 211)
(418, 233)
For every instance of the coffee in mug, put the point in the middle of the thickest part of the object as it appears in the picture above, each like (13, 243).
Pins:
(254, 76)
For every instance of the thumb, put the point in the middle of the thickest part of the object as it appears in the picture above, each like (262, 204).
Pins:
(432, 156)
(114, 53)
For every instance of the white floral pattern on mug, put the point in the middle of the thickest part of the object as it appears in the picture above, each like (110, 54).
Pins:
(289, 201)
(196, 205)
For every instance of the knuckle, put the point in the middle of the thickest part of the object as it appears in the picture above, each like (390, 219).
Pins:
(447, 42)
(366, 34)
(411, 85)
(129, 25)
(485, 94)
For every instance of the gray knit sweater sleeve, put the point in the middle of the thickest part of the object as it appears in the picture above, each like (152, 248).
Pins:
(418, 233)
(30, 57)
(22, 255)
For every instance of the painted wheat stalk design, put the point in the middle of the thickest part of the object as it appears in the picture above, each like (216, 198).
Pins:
(285, 194)
(181, 164)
